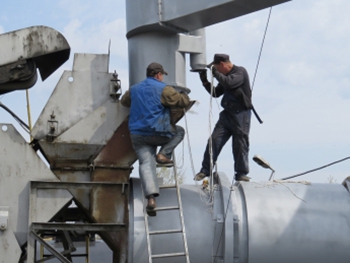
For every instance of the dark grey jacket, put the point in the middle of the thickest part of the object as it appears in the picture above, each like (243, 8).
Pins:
(235, 87)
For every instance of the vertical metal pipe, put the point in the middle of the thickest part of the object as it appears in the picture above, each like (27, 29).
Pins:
(198, 61)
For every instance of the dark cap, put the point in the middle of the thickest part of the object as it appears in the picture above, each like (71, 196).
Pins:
(155, 68)
(219, 58)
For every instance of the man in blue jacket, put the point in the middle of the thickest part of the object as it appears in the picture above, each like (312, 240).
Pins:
(234, 120)
(150, 126)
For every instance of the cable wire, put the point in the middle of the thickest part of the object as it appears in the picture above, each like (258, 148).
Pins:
(316, 169)
(202, 194)
(22, 123)
(261, 48)
(189, 146)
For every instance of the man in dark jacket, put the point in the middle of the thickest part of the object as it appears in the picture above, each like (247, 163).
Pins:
(234, 120)
(150, 125)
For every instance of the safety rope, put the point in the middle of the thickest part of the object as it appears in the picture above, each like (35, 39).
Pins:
(203, 194)
(189, 146)
(206, 194)
(212, 91)
(256, 70)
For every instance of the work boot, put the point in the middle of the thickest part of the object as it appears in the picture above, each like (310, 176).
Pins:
(200, 176)
(243, 178)
(162, 159)
(151, 205)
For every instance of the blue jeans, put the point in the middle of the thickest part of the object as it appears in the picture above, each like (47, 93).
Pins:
(229, 125)
(146, 148)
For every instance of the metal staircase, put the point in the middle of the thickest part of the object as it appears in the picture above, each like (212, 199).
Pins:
(168, 231)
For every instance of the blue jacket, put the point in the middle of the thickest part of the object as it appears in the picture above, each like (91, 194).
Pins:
(147, 114)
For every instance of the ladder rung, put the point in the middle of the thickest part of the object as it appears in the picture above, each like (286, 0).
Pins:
(166, 208)
(167, 186)
(165, 232)
(165, 165)
(169, 255)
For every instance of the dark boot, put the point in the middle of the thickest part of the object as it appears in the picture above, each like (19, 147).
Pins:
(243, 178)
(162, 159)
(151, 205)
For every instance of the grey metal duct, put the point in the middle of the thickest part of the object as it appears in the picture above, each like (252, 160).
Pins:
(251, 222)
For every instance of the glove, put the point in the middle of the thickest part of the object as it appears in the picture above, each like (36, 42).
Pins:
(203, 76)
(214, 70)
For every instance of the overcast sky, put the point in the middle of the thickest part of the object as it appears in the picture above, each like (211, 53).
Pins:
(302, 88)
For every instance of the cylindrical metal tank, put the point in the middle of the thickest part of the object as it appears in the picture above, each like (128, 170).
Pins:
(249, 222)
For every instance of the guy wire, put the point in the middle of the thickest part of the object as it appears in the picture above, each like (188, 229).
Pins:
(261, 48)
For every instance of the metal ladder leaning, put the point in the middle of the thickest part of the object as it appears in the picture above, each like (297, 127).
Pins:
(169, 231)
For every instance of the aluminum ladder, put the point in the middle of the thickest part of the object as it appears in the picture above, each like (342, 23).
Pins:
(169, 231)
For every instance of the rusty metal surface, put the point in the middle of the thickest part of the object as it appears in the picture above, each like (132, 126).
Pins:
(46, 46)
(118, 152)
(104, 204)
(18, 70)
(73, 155)
(82, 196)
(111, 205)
(79, 136)
(110, 196)
(23, 51)
(18, 75)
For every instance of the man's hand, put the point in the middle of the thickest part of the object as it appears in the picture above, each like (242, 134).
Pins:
(203, 76)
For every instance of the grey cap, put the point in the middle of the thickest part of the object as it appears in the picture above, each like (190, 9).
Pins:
(155, 68)
(219, 58)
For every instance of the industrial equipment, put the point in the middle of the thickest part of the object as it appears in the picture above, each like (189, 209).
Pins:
(85, 187)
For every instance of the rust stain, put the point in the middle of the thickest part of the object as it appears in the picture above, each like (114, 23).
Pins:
(118, 150)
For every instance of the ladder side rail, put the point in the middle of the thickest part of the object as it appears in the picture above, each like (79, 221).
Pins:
(147, 236)
(182, 221)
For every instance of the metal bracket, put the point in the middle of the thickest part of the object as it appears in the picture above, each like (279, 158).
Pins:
(4, 217)
(22, 69)
(52, 127)
(220, 218)
(115, 87)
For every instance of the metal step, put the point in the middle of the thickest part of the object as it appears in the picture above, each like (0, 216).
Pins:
(169, 231)
(167, 186)
(169, 255)
(165, 165)
(159, 232)
(166, 208)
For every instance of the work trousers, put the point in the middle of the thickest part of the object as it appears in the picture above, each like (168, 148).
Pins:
(229, 125)
(146, 147)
